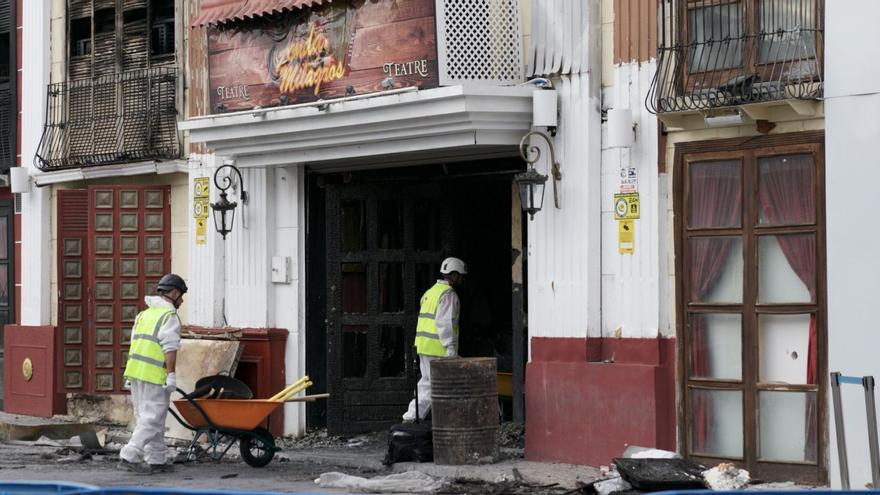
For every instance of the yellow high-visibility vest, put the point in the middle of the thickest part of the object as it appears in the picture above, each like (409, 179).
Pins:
(146, 360)
(427, 337)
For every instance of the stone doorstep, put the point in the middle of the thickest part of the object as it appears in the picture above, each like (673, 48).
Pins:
(539, 473)
(20, 427)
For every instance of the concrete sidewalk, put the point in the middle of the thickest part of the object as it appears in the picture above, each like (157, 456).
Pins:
(370, 459)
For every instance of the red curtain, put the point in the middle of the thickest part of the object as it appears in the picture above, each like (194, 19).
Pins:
(715, 201)
(786, 194)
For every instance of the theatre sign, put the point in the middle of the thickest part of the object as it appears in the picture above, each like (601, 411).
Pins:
(339, 49)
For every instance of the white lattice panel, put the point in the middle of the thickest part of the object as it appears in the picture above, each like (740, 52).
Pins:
(478, 42)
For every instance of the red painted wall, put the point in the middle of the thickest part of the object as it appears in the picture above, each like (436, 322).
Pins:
(38, 395)
(261, 365)
(581, 410)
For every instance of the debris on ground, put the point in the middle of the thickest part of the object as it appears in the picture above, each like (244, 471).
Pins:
(611, 485)
(660, 474)
(320, 438)
(726, 476)
(409, 482)
(513, 435)
(511, 487)
(636, 452)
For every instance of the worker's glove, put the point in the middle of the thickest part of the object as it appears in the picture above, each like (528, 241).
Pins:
(170, 383)
(450, 352)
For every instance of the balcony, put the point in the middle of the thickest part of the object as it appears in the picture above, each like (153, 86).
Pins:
(119, 118)
(7, 125)
(750, 54)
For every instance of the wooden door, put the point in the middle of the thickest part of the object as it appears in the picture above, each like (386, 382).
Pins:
(751, 278)
(109, 259)
(384, 248)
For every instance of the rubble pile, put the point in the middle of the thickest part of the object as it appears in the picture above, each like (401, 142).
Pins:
(319, 438)
(513, 435)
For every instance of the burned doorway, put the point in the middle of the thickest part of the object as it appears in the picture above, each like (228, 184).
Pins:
(7, 282)
(384, 235)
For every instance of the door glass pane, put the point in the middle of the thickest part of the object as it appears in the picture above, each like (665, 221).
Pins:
(785, 190)
(393, 346)
(784, 348)
(4, 285)
(353, 230)
(714, 37)
(785, 31)
(390, 215)
(354, 350)
(354, 288)
(391, 287)
(787, 426)
(716, 346)
(427, 227)
(717, 422)
(715, 194)
(787, 268)
(716, 270)
(4, 237)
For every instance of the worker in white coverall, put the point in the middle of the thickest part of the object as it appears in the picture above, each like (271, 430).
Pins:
(152, 357)
(437, 330)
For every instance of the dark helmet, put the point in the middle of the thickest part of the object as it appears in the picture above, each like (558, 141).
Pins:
(170, 281)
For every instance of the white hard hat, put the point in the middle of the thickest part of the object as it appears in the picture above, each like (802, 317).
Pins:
(450, 265)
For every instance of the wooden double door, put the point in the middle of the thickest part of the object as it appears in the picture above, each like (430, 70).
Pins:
(384, 245)
(114, 243)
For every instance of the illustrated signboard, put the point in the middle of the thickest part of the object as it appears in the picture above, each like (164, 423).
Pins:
(339, 49)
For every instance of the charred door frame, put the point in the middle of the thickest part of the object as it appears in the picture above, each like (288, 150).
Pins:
(340, 386)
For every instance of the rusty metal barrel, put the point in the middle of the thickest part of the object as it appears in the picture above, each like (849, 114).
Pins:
(464, 410)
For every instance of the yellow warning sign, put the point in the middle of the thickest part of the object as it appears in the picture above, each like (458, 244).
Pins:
(201, 187)
(201, 231)
(626, 206)
(626, 236)
(200, 208)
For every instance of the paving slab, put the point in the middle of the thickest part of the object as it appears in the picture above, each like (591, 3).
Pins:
(19, 427)
(537, 473)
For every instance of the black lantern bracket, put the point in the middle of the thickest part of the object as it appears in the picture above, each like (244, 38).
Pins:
(224, 210)
(525, 149)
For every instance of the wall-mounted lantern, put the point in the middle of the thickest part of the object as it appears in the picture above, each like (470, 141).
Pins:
(531, 183)
(224, 210)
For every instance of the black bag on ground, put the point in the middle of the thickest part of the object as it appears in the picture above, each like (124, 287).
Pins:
(410, 442)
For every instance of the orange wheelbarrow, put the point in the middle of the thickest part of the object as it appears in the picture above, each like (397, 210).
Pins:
(226, 421)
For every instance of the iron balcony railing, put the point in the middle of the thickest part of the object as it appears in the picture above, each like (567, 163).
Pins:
(7, 124)
(118, 118)
(715, 54)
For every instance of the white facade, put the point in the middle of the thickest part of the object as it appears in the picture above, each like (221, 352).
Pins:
(36, 259)
(563, 243)
(852, 170)
(231, 279)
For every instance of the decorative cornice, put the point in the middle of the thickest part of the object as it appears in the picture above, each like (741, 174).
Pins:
(109, 171)
(440, 124)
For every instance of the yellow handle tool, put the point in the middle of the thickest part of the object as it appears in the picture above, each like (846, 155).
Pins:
(289, 388)
(295, 391)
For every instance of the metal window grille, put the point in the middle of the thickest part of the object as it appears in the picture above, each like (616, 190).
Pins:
(7, 124)
(720, 54)
(118, 118)
(478, 42)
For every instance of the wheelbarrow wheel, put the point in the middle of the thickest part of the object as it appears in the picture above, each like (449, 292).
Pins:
(257, 449)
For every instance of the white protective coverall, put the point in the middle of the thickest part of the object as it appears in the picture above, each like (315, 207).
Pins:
(150, 401)
(445, 318)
